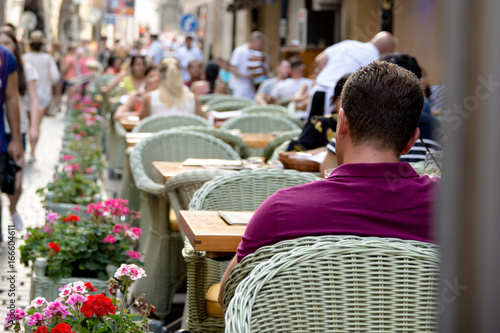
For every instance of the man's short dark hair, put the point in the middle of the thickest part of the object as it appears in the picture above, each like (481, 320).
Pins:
(383, 103)
(295, 62)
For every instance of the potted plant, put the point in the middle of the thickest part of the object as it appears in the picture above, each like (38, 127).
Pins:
(78, 310)
(72, 246)
(71, 187)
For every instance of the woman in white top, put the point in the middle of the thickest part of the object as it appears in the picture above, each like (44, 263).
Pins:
(28, 104)
(46, 67)
(172, 96)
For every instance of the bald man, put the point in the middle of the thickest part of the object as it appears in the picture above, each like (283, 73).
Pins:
(341, 59)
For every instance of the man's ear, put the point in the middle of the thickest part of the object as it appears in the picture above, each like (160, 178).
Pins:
(412, 141)
(342, 124)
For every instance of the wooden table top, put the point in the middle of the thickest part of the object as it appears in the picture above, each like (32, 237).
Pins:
(134, 138)
(253, 140)
(129, 122)
(163, 171)
(207, 231)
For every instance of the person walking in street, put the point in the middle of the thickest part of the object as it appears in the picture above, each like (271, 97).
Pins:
(248, 63)
(155, 49)
(187, 53)
(9, 96)
(28, 104)
(47, 71)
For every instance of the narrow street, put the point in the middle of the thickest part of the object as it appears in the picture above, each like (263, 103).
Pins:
(30, 208)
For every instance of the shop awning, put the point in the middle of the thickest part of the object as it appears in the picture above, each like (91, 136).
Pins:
(246, 4)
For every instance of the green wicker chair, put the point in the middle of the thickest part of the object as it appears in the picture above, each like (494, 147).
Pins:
(266, 108)
(229, 104)
(233, 140)
(244, 190)
(211, 98)
(163, 259)
(180, 189)
(282, 147)
(161, 122)
(335, 283)
(277, 141)
(261, 123)
(151, 124)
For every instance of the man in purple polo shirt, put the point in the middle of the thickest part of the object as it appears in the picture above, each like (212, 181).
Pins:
(370, 193)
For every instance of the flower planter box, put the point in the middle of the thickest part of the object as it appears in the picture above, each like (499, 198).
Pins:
(42, 286)
(67, 208)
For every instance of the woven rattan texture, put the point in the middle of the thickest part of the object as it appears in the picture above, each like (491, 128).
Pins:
(335, 284)
(261, 123)
(229, 104)
(247, 189)
(159, 122)
(277, 141)
(163, 259)
(233, 140)
(244, 190)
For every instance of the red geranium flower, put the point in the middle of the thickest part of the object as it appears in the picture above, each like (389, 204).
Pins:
(54, 246)
(89, 287)
(98, 305)
(71, 218)
(62, 328)
(41, 329)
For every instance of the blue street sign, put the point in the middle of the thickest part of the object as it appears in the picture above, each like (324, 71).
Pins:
(110, 19)
(189, 23)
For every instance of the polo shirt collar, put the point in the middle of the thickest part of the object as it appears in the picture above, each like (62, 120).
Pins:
(375, 170)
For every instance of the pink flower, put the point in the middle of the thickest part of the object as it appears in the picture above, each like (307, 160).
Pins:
(109, 239)
(38, 302)
(76, 300)
(28, 235)
(67, 157)
(47, 229)
(36, 319)
(56, 310)
(76, 208)
(133, 233)
(132, 271)
(51, 217)
(18, 315)
(89, 170)
(133, 255)
(78, 137)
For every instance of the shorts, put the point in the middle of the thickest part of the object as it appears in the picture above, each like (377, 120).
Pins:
(23, 139)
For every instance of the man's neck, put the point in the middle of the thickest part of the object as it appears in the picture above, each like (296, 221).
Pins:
(367, 154)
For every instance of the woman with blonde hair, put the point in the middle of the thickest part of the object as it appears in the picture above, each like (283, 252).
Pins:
(172, 96)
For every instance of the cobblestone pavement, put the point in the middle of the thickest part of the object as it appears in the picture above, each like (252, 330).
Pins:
(30, 209)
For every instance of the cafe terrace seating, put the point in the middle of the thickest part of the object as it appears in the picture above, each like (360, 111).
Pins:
(261, 123)
(265, 108)
(163, 259)
(335, 284)
(154, 123)
(240, 191)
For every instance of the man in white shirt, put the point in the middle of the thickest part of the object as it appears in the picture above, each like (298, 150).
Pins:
(247, 63)
(344, 58)
(286, 89)
(266, 87)
(155, 49)
(186, 54)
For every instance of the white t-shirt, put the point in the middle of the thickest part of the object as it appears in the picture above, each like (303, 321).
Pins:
(24, 101)
(287, 88)
(158, 107)
(48, 75)
(246, 61)
(345, 58)
(185, 56)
